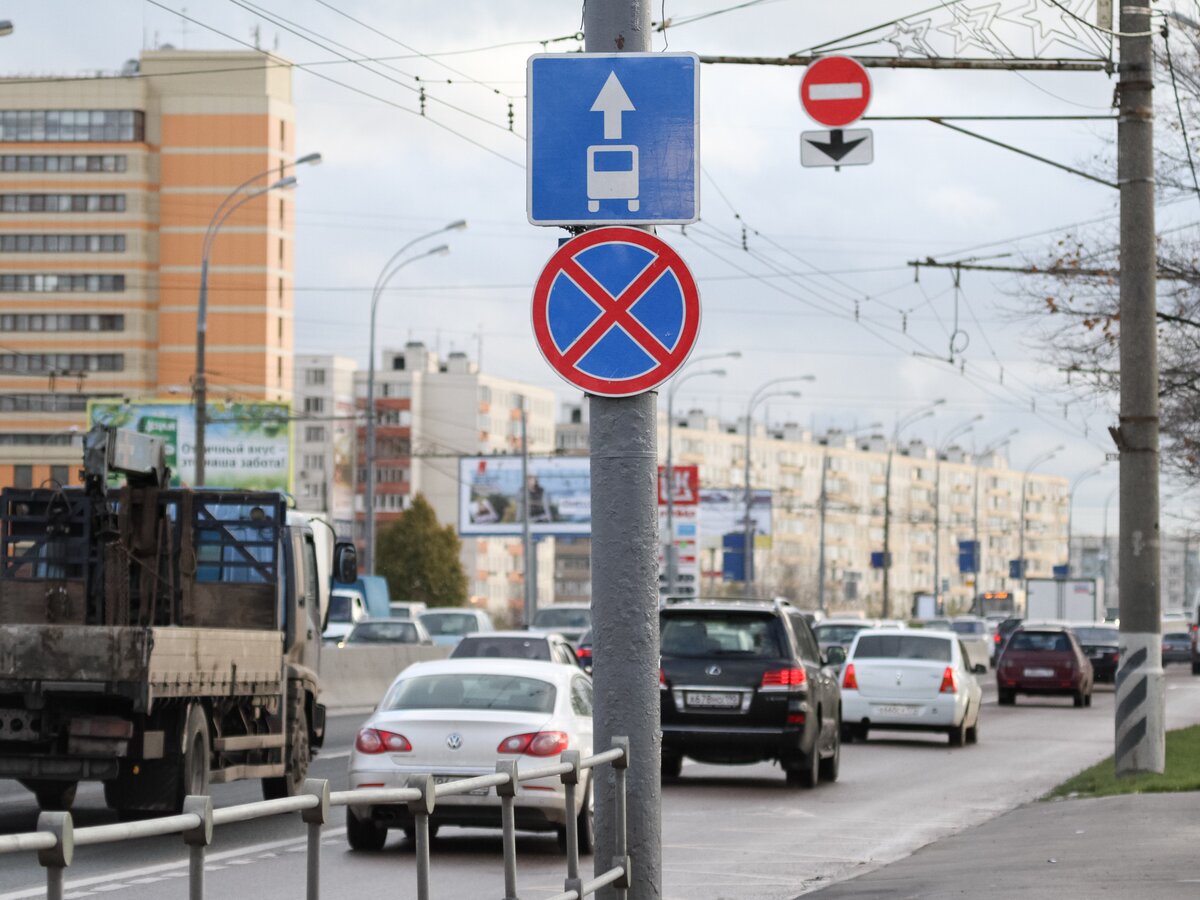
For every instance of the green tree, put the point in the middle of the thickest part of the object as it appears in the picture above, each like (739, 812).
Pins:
(420, 558)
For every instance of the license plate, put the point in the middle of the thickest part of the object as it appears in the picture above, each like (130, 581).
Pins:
(715, 700)
(447, 779)
(895, 710)
(1039, 673)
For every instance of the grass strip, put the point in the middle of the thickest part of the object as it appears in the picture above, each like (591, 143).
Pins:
(1182, 773)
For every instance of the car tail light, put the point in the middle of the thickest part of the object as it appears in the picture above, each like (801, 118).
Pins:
(375, 740)
(949, 682)
(795, 718)
(583, 653)
(535, 743)
(997, 637)
(784, 680)
(662, 679)
(849, 680)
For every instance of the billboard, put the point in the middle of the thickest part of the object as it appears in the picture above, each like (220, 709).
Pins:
(491, 496)
(247, 445)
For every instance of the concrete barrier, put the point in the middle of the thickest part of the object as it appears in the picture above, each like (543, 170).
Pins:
(358, 676)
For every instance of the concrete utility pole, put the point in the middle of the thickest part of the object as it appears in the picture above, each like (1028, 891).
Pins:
(1140, 735)
(624, 437)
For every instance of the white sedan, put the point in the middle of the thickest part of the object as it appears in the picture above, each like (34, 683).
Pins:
(454, 719)
(910, 681)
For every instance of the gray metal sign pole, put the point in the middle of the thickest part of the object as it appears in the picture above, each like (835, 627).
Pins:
(624, 438)
(1140, 728)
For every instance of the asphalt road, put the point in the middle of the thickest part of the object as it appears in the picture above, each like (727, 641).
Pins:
(729, 832)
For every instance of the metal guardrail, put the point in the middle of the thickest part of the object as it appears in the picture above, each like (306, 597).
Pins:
(56, 837)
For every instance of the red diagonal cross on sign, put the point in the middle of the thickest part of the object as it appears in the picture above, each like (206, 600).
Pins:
(615, 311)
(586, 359)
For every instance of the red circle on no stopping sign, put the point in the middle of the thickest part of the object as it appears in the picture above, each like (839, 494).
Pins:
(616, 311)
(835, 91)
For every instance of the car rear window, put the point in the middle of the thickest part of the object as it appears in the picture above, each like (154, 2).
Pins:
(699, 635)
(562, 618)
(476, 690)
(903, 646)
(968, 627)
(449, 623)
(837, 634)
(1176, 636)
(384, 633)
(1097, 635)
(1043, 641)
(506, 647)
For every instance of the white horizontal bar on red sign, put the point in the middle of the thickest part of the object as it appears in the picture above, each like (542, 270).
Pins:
(850, 90)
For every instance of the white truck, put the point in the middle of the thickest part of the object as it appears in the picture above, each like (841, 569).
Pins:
(1064, 599)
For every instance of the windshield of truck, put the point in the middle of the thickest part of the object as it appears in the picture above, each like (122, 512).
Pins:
(550, 619)
(449, 623)
(903, 646)
(968, 628)
(339, 607)
(472, 691)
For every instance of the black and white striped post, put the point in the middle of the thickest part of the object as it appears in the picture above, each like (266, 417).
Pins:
(1140, 727)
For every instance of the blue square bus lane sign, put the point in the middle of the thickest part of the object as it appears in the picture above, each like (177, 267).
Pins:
(613, 138)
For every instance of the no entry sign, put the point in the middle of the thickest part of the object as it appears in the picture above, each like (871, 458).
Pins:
(835, 91)
(616, 312)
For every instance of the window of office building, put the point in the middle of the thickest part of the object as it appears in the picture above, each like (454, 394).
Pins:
(314, 404)
(62, 243)
(314, 462)
(23, 476)
(53, 203)
(62, 362)
(73, 125)
(314, 433)
(27, 439)
(61, 322)
(60, 475)
(314, 377)
(64, 402)
(93, 163)
(38, 283)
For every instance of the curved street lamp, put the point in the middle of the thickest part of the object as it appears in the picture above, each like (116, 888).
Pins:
(227, 207)
(1037, 461)
(762, 393)
(916, 415)
(954, 433)
(389, 270)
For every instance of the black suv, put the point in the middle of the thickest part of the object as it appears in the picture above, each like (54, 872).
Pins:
(743, 682)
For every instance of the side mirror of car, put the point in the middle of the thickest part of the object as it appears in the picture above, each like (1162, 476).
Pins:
(979, 669)
(834, 656)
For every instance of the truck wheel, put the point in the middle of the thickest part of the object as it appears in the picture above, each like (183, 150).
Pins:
(291, 782)
(53, 796)
(197, 756)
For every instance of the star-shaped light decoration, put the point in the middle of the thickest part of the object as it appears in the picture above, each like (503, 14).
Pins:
(909, 38)
(972, 27)
(1044, 25)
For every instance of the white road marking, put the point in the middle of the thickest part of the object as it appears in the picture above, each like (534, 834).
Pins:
(164, 870)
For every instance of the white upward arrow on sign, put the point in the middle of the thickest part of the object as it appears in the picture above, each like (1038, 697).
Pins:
(612, 101)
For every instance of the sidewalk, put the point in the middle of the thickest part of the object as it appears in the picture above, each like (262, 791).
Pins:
(1136, 846)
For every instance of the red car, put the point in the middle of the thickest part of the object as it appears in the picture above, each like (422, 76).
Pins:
(1044, 660)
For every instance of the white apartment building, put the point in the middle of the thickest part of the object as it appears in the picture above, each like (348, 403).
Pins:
(323, 437)
(430, 412)
(976, 499)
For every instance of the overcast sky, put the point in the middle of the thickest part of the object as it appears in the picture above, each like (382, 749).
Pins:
(821, 246)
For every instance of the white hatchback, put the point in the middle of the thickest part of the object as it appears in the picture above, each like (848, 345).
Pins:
(453, 719)
(912, 680)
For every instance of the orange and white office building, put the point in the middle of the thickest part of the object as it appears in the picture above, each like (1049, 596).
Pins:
(107, 186)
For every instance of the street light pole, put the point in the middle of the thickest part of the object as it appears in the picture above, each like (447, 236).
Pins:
(1071, 508)
(1104, 539)
(672, 551)
(985, 452)
(923, 413)
(759, 395)
(937, 506)
(390, 268)
(822, 506)
(1022, 569)
(200, 381)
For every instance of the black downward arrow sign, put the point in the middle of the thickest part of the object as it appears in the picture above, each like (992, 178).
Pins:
(837, 146)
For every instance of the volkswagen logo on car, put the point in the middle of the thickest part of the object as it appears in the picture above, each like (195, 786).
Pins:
(454, 740)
